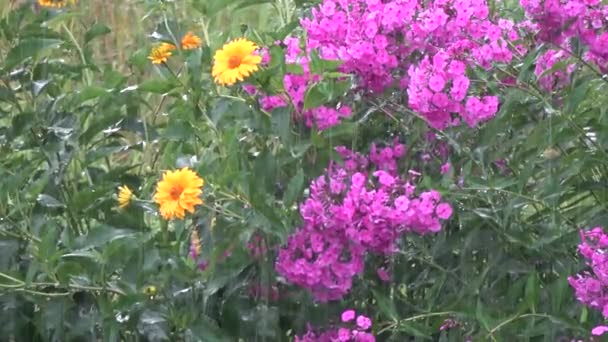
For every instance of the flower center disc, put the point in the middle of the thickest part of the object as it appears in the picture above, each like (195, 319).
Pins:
(234, 62)
(175, 192)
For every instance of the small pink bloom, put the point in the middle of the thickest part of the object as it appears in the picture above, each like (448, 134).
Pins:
(599, 330)
(445, 168)
(348, 315)
(364, 322)
(443, 211)
(436, 83)
(384, 178)
(364, 337)
(343, 335)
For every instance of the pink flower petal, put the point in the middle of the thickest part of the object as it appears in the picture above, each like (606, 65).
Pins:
(599, 330)
(348, 315)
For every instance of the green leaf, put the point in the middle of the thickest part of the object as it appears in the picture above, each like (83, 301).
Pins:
(481, 315)
(277, 56)
(531, 291)
(339, 89)
(526, 70)
(295, 69)
(386, 305)
(577, 95)
(103, 234)
(97, 30)
(8, 251)
(206, 329)
(29, 48)
(285, 31)
(212, 7)
(90, 93)
(320, 66)
(415, 329)
(61, 18)
(49, 201)
(88, 254)
(281, 119)
(344, 130)
(158, 86)
(7, 95)
(247, 3)
(178, 130)
(294, 188)
(315, 97)
(39, 86)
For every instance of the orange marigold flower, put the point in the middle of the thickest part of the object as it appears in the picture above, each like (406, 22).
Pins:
(235, 61)
(52, 3)
(191, 41)
(161, 53)
(178, 192)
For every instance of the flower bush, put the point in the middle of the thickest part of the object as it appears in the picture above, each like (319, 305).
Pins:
(334, 170)
(344, 219)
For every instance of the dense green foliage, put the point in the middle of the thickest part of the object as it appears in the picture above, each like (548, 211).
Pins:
(74, 267)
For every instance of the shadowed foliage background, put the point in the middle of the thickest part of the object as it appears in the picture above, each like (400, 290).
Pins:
(82, 111)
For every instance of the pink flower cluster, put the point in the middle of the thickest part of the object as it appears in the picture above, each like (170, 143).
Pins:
(353, 210)
(591, 287)
(322, 117)
(558, 78)
(376, 39)
(353, 330)
(558, 22)
(362, 34)
(438, 87)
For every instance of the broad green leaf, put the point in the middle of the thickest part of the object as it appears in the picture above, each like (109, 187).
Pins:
(29, 48)
(532, 290)
(385, 305)
(294, 188)
(415, 329)
(38, 86)
(178, 130)
(91, 92)
(97, 30)
(158, 86)
(103, 234)
(315, 97)
(281, 120)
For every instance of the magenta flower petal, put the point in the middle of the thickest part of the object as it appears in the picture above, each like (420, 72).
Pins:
(348, 315)
(599, 330)
(364, 322)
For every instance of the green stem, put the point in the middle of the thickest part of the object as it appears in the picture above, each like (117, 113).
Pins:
(87, 75)
(21, 286)
(13, 279)
(511, 320)
(394, 324)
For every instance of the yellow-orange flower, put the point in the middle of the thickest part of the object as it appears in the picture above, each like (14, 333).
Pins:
(235, 61)
(53, 3)
(125, 195)
(178, 192)
(161, 53)
(191, 41)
